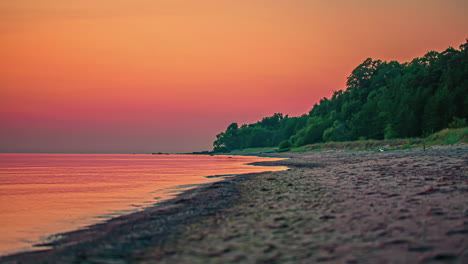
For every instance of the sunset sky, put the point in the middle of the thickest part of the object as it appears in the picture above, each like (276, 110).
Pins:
(168, 75)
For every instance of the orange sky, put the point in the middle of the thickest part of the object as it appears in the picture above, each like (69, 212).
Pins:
(168, 75)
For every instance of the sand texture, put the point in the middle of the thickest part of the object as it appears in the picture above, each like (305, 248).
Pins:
(402, 206)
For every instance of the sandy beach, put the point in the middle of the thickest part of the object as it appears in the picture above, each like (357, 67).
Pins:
(401, 206)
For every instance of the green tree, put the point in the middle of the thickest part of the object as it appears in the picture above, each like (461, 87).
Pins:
(382, 100)
(227, 141)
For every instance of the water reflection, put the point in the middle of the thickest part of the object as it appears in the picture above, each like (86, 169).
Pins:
(42, 194)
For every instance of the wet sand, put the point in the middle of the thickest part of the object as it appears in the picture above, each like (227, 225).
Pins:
(405, 206)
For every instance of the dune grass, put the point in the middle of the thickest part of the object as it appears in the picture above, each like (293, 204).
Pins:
(449, 136)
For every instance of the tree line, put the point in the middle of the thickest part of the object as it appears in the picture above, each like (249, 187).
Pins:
(382, 100)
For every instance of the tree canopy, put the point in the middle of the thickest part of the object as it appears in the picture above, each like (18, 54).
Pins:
(381, 100)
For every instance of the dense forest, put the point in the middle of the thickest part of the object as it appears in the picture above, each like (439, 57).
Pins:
(382, 100)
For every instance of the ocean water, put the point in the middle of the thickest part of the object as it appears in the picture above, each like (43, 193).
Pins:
(45, 194)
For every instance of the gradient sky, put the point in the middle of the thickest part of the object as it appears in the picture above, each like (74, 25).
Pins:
(168, 75)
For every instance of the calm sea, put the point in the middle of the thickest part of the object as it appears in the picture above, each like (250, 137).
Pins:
(44, 194)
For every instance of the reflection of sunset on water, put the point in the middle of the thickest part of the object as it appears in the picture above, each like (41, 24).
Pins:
(42, 194)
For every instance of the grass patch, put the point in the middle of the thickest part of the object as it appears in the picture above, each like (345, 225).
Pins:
(299, 149)
(449, 136)
(366, 145)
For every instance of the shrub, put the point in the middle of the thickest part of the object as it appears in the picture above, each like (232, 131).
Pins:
(457, 123)
(285, 144)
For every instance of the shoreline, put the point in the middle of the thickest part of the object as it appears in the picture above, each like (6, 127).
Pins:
(123, 187)
(358, 207)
